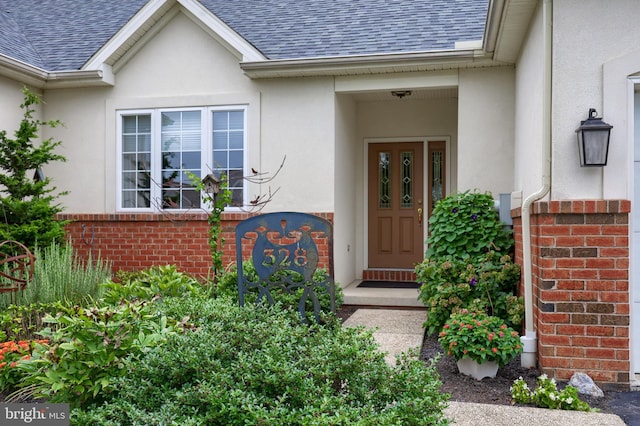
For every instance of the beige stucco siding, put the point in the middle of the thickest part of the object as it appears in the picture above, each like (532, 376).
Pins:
(587, 35)
(297, 117)
(486, 130)
(529, 110)
(10, 99)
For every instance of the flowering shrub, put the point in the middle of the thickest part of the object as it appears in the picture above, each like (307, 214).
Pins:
(480, 337)
(547, 395)
(485, 283)
(11, 354)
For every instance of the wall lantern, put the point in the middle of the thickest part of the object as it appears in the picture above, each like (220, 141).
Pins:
(593, 140)
(211, 184)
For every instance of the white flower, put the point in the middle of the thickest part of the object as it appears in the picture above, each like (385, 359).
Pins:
(543, 377)
(569, 400)
(552, 396)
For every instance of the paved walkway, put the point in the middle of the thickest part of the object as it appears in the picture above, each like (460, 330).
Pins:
(399, 330)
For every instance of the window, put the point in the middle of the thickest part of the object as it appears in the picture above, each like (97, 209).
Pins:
(159, 149)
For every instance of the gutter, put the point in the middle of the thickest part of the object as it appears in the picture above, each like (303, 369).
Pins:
(360, 64)
(37, 77)
(529, 340)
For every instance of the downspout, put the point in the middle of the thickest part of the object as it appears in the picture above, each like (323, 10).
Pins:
(530, 340)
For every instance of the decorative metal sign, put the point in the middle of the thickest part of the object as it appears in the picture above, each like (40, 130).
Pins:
(285, 257)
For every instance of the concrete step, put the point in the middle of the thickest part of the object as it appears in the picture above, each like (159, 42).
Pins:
(398, 297)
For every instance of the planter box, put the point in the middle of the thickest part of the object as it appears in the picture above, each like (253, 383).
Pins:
(469, 367)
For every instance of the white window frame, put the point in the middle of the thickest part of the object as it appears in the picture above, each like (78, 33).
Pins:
(206, 159)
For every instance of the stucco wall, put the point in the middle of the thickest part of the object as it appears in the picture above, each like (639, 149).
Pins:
(347, 157)
(587, 35)
(10, 99)
(529, 110)
(486, 130)
(183, 66)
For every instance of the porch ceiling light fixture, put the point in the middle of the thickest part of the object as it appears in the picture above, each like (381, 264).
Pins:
(401, 93)
(593, 141)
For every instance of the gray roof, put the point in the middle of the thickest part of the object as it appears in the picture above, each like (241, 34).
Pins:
(63, 34)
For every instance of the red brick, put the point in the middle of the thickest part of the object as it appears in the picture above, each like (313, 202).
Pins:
(586, 341)
(584, 296)
(569, 351)
(593, 330)
(554, 340)
(600, 353)
(614, 274)
(600, 263)
(615, 365)
(600, 241)
(614, 342)
(558, 362)
(571, 330)
(585, 364)
(614, 252)
(618, 297)
(550, 317)
(586, 230)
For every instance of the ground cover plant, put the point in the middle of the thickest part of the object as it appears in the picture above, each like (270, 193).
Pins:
(159, 348)
(261, 365)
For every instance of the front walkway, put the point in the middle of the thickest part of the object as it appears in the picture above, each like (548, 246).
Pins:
(398, 330)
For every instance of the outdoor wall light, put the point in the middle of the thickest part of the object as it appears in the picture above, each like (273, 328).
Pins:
(593, 141)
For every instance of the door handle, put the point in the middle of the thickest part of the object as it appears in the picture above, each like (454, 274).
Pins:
(420, 215)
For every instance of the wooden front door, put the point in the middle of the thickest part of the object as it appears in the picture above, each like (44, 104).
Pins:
(396, 207)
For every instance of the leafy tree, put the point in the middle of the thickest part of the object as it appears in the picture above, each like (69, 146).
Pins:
(27, 204)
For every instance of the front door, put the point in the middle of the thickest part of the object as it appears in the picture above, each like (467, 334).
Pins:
(396, 206)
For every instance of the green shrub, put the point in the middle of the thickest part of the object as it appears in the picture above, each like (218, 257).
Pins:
(466, 225)
(227, 285)
(22, 322)
(29, 205)
(163, 281)
(485, 283)
(88, 348)
(260, 365)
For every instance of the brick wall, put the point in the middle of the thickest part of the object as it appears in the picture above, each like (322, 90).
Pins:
(133, 241)
(580, 274)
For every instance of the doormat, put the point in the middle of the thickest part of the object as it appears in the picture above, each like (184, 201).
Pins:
(388, 284)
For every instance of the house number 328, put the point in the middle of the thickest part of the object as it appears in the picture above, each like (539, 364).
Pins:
(282, 257)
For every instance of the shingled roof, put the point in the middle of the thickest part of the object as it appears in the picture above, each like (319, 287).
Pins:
(58, 35)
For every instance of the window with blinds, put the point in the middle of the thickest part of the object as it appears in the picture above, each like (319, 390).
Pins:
(160, 148)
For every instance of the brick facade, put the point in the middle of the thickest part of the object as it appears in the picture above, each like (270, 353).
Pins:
(580, 275)
(133, 241)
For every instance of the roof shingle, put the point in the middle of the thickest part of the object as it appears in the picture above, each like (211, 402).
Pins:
(63, 34)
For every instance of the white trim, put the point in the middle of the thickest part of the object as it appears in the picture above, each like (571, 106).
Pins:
(634, 240)
(225, 34)
(425, 153)
(152, 12)
(206, 150)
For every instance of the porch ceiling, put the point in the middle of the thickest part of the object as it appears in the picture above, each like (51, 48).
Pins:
(420, 94)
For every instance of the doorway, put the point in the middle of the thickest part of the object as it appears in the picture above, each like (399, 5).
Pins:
(398, 206)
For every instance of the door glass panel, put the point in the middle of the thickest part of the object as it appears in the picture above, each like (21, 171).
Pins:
(437, 180)
(406, 194)
(384, 180)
